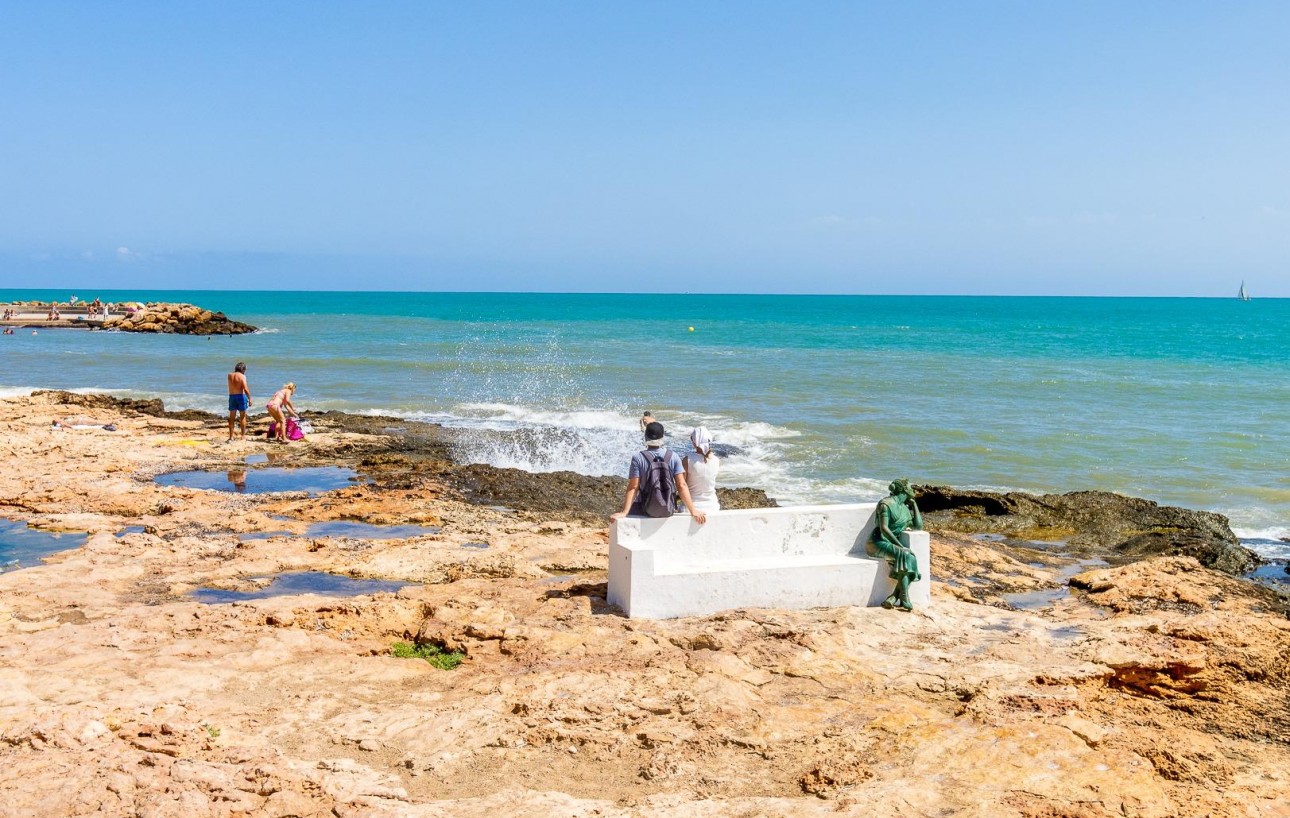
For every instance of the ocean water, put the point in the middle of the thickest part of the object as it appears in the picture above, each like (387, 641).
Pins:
(823, 398)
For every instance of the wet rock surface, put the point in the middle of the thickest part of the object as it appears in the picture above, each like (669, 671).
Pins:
(425, 449)
(1100, 522)
(568, 494)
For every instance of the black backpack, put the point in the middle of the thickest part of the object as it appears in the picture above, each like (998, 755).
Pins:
(658, 485)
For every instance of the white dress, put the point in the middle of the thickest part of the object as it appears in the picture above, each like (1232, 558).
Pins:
(701, 478)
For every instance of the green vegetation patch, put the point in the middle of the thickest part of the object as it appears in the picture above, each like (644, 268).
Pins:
(434, 654)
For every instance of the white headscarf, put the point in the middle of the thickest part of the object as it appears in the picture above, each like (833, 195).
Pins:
(702, 440)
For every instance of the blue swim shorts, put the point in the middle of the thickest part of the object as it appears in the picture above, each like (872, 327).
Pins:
(238, 403)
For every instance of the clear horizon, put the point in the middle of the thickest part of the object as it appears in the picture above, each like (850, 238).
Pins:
(1000, 148)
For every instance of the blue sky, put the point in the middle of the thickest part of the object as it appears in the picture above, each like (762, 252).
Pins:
(959, 147)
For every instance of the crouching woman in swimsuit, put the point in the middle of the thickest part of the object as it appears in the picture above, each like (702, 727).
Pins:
(280, 400)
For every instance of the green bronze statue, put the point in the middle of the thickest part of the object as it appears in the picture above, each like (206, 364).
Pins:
(897, 513)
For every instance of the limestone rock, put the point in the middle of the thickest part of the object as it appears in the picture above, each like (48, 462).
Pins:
(1157, 688)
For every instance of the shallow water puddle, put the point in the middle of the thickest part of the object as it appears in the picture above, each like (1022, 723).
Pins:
(311, 479)
(262, 535)
(130, 529)
(368, 531)
(1068, 632)
(1044, 597)
(1277, 573)
(1002, 627)
(301, 582)
(1034, 600)
(1080, 566)
(477, 545)
(22, 547)
(256, 458)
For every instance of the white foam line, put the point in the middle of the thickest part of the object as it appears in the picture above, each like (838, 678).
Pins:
(1275, 533)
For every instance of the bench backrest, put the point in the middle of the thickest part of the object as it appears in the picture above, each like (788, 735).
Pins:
(753, 533)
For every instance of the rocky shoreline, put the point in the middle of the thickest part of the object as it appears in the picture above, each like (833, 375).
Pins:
(1128, 683)
(1112, 526)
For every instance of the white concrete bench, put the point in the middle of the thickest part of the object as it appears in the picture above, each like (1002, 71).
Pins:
(796, 557)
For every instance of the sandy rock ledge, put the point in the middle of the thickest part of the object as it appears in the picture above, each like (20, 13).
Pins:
(1154, 689)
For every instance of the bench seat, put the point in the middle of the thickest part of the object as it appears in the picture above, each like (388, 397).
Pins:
(790, 558)
(682, 566)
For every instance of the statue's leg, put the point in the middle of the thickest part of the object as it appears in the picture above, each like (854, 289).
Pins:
(902, 590)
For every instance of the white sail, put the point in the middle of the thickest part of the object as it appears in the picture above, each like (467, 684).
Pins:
(1242, 295)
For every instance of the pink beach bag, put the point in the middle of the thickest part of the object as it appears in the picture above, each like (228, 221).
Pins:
(294, 432)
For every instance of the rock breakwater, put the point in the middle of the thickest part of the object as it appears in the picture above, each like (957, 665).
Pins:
(178, 319)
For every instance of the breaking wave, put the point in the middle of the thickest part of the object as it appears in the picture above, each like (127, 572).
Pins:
(600, 442)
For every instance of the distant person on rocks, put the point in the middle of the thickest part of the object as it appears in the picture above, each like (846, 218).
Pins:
(239, 398)
(646, 419)
(701, 471)
(282, 400)
(634, 504)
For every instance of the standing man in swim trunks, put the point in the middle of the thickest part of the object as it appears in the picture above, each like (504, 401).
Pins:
(239, 398)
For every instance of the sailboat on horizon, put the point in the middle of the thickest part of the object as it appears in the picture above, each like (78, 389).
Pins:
(1242, 295)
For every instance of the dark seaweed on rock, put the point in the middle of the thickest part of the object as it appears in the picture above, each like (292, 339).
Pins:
(152, 406)
(1095, 521)
(566, 493)
(428, 450)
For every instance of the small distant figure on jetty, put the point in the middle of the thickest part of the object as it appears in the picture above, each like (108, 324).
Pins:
(897, 513)
(239, 398)
(281, 400)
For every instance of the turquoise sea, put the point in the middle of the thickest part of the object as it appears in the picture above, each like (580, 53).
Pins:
(1184, 401)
